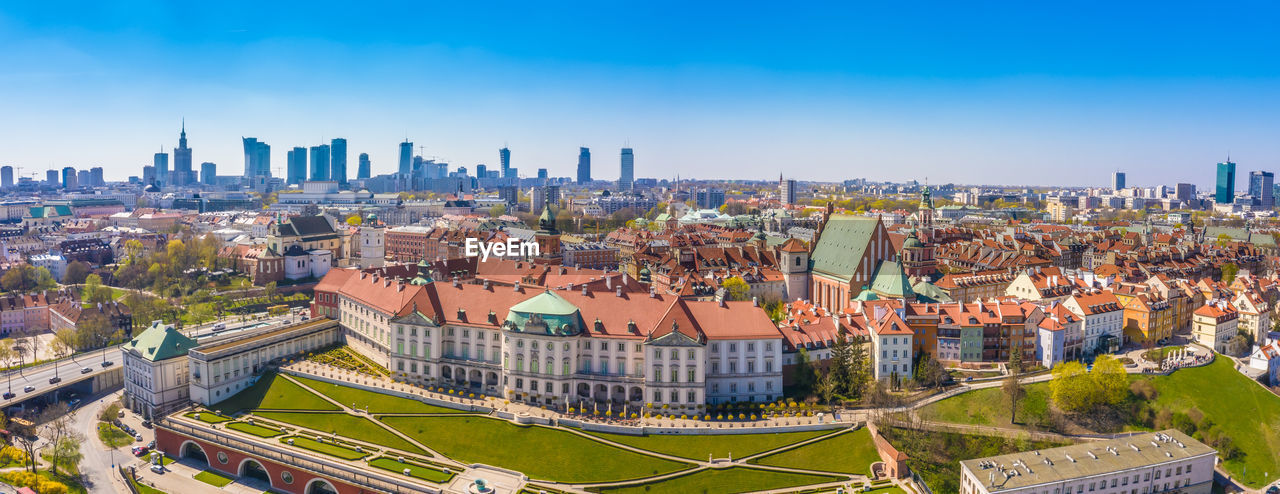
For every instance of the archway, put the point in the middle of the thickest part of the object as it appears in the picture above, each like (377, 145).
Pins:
(320, 486)
(637, 395)
(602, 393)
(192, 450)
(474, 379)
(619, 395)
(446, 372)
(250, 468)
(491, 379)
(584, 390)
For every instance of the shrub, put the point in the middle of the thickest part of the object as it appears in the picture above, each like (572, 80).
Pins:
(1144, 389)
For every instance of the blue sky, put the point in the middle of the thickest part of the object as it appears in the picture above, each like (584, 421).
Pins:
(975, 92)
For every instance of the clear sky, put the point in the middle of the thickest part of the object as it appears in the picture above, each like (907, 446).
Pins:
(970, 92)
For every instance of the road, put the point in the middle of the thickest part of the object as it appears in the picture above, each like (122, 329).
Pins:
(96, 467)
(68, 369)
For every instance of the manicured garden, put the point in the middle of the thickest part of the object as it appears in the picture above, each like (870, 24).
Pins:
(849, 452)
(345, 425)
(208, 417)
(273, 392)
(726, 481)
(343, 357)
(213, 478)
(539, 452)
(375, 402)
(254, 429)
(328, 448)
(990, 406)
(420, 471)
(698, 447)
(112, 436)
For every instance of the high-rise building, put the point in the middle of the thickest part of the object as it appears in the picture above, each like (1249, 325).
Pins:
(482, 171)
(1225, 192)
(182, 172)
(787, 191)
(709, 198)
(504, 158)
(208, 173)
(161, 162)
(83, 178)
(338, 160)
(1260, 189)
(364, 168)
(406, 157)
(296, 170)
(69, 177)
(1185, 191)
(1117, 181)
(320, 162)
(627, 179)
(95, 177)
(542, 173)
(584, 165)
(257, 158)
(51, 177)
(6, 176)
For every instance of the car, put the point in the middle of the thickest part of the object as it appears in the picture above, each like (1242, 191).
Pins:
(151, 445)
(137, 437)
(120, 414)
(86, 370)
(107, 363)
(73, 403)
(1275, 489)
(157, 468)
(29, 388)
(9, 395)
(140, 451)
(220, 326)
(969, 378)
(146, 423)
(55, 380)
(116, 422)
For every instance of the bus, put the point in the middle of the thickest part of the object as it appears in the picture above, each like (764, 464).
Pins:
(276, 310)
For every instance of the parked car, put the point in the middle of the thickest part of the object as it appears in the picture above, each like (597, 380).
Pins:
(120, 414)
(146, 423)
(86, 370)
(137, 437)
(157, 468)
(152, 444)
(140, 451)
(29, 388)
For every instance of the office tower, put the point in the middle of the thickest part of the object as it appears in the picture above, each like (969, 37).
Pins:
(1185, 192)
(584, 165)
(1226, 189)
(787, 191)
(627, 179)
(6, 176)
(68, 178)
(83, 179)
(208, 173)
(96, 178)
(406, 157)
(296, 166)
(1117, 181)
(51, 178)
(482, 171)
(709, 198)
(364, 168)
(257, 158)
(161, 162)
(320, 162)
(1260, 184)
(182, 173)
(338, 160)
(542, 173)
(148, 175)
(504, 159)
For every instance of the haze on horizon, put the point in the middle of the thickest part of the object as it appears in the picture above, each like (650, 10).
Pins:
(996, 93)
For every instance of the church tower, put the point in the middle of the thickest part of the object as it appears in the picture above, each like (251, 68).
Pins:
(548, 237)
(793, 261)
(372, 235)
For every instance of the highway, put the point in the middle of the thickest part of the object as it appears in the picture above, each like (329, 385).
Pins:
(68, 369)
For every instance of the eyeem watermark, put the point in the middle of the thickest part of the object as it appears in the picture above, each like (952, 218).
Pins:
(511, 248)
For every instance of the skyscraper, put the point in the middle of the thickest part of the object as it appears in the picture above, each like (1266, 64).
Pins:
(320, 162)
(482, 171)
(83, 179)
(626, 180)
(364, 169)
(6, 176)
(69, 177)
(95, 177)
(1226, 190)
(1117, 181)
(161, 162)
(296, 166)
(542, 173)
(1260, 189)
(182, 172)
(1185, 191)
(338, 160)
(787, 191)
(208, 173)
(504, 158)
(51, 177)
(584, 165)
(406, 157)
(257, 158)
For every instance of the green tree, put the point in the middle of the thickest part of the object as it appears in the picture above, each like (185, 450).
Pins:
(930, 372)
(827, 387)
(805, 375)
(44, 279)
(736, 288)
(1014, 391)
(1071, 388)
(1110, 379)
(76, 273)
(355, 220)
(498, 210)
(1229, 271)
(200, 314)
(94, 292)
(270, 290)
(12, 279)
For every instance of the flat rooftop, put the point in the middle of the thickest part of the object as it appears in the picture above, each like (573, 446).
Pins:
(1030, 468)
(224, 345)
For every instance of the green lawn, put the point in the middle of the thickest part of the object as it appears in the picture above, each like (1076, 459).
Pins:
(1244, 410)
(344, 425)
(112, 436)
(213, 478)
(416, 470)
(539, 452)
(145, 489)
(208, 417)
(275, 393)
(697, 447)
(256, 430)
(851, 452)
(990, 406)
(376, 402)
(327, 448)
(726, 481)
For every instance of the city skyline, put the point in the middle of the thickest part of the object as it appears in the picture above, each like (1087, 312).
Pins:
(829, 102)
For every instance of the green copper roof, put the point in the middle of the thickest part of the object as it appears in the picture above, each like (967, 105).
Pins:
(160, 342)
(841, 245)
(891, 281)
(866, 296)
(930, 293)
(546, 303)
(912, 241)
(545, 313)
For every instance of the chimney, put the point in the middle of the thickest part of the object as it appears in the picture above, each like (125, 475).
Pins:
(723, 303)
(608, 282)
(455, 282)
(584, 288)
(486, 284)
(516, 287)
(755, 301)
(619, 292)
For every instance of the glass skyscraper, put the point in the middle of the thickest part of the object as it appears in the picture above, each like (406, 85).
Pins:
(628, 177)
(584, 165)
(257, 158)
(320, 162)
(1226, 191)
(1260, 189)
(362, 170)
(406, 157)
(297, 166)
(338, 160)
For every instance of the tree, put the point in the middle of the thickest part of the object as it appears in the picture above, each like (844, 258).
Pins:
(499, 210)
(929, 372)
(1110, 380)
(94, 330)
(1071, 388)
(63, 344)
(76, 272)
(1229, 271)
(44, 279)
(841, 368)
(270, 291)
(12, 279)
(6, 357)
(200, 314)
(94, 292)
(736, 288)
(59, 431)
(355, 220)
(1014, 391)
(25, 438)
(804, 373)
(827, 387)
